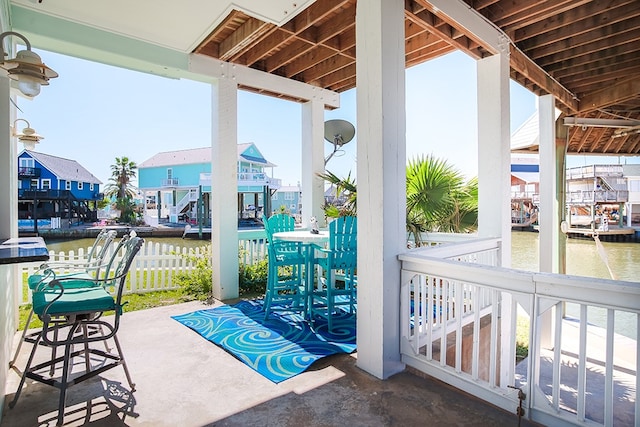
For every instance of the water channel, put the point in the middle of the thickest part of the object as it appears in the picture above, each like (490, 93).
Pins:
(583, 259)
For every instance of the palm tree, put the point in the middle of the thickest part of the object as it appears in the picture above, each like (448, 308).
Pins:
(438, 198)
(122, 172)
(344, 187)
(120, 186)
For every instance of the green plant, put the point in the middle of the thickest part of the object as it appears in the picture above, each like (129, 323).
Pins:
(253, 278)
(197, 283)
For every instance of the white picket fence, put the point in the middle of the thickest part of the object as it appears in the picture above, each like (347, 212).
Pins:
(156, 265)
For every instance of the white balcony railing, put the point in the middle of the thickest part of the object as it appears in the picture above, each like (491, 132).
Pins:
(170, 182)
(247, 179)
(459, 312)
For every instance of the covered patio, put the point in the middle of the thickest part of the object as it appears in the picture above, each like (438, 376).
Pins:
(229, 393)
(580, 57)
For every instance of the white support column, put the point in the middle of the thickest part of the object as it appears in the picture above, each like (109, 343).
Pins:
(224, 188)
(8, 228)
(312, 162)
(548, 216)
(494, 151)
(381, 124)
(494, 184)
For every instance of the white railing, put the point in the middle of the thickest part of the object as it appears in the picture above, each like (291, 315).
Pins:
(156, 265)
(460, 313)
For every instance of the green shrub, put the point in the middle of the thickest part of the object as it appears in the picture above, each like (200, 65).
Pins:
(197, 283)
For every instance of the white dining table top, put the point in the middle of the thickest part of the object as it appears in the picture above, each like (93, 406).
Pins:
(302, 236)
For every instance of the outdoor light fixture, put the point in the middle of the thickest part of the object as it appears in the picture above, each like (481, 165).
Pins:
(26, 68)
(28, 136)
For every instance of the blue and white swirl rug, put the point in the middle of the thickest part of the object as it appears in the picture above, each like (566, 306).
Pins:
(278, 348)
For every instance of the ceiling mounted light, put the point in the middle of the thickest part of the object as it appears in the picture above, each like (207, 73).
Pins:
(26, 68)
(28, 136)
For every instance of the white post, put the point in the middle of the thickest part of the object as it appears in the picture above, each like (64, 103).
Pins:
(549, 259)
(494, 151)
(8, 228)
(381, 124)
(494, 184)
(312, 162)
(548, 216)
(224, 188)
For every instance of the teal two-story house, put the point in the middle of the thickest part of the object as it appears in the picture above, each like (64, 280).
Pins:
(177, 184)
(54, 187)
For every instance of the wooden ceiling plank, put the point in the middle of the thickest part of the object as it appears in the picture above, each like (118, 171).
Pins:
(537, 12)
(622, 43)
(324, 68)
(586, 19)
(590, 81)
(599, 68)
(287, 55)
(263, 48)
(244, 36)
(310, 59)
(318, 12)
(619, 55)
(533, 72)
(430, 22)
(590, 16)
(609, 96)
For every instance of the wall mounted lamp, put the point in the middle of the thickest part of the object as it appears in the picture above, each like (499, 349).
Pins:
(26, 68)
(28, 136)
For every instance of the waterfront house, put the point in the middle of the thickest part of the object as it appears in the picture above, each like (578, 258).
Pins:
(181, 181)
(308, 52)
(288, 198)
(54, 187)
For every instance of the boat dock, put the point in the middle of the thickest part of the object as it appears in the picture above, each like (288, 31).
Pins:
(612, 234)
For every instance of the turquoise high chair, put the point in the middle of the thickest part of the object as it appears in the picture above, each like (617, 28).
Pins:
(285, 281)
(336, 293)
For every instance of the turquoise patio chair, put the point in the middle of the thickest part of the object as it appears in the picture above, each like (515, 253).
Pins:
(73, 316)
(88, 268)
(336, 293)
(285, 279)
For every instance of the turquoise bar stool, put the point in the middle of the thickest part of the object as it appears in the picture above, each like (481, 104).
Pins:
(89, 268)
(285, 280)
(336, 294)
(74, 316)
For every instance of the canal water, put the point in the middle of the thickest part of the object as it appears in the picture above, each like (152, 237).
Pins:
(583, 259)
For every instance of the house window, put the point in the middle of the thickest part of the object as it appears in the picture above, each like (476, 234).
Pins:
(80, 185)
(289, 196)
(91, 187)
(34, 184)
(275, 196)
(169, 173)
(45, 184)
(27, 162)
(67, 185)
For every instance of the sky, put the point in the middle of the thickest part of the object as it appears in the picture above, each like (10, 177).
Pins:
(94, 113)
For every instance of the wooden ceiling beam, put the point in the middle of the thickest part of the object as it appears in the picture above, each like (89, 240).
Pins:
(324, 68)
(609, 96)
(308, 60)
(286, 55)
(585, 19)
(596, 59)
(244, 36)
(529, 69)
(434, 25)
(524, 12)
(602, 68)
(588, 85)
(610, 46)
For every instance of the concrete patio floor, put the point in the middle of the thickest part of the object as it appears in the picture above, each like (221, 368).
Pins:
(183, 380)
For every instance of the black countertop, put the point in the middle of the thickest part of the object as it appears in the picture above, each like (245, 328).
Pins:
(23, 249)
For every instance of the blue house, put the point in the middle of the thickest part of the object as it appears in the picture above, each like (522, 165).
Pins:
(177, 184)
(287, 199)
(53, 187)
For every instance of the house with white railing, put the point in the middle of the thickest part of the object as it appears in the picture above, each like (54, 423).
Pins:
(177, 184)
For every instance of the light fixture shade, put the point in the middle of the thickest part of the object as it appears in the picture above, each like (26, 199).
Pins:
(27, 68)
(28, 137)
